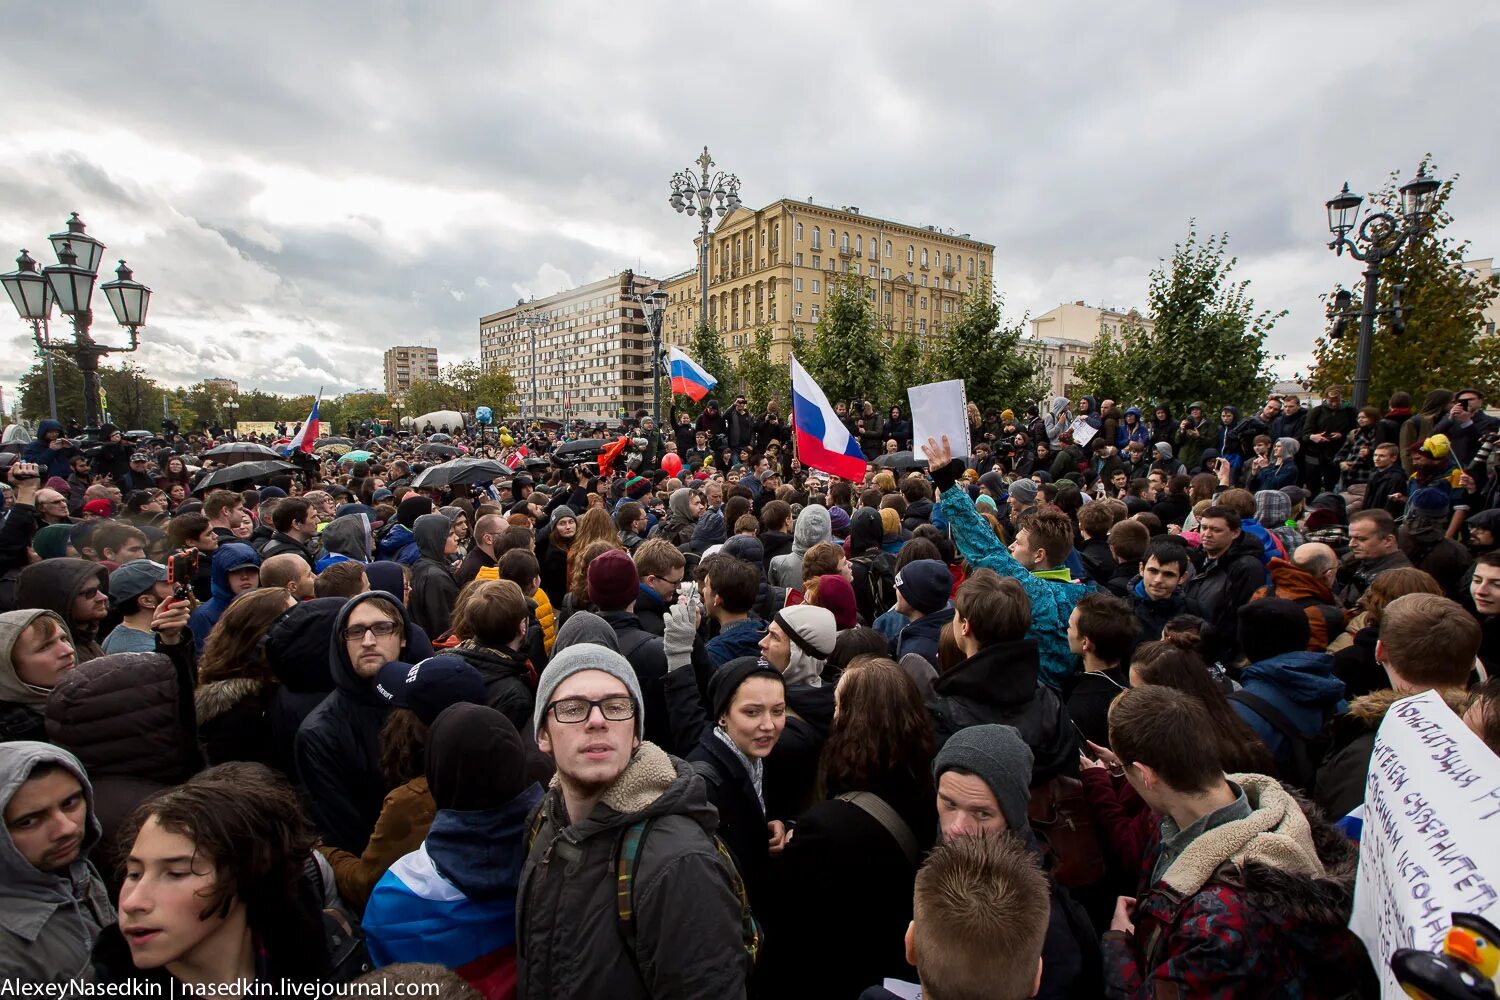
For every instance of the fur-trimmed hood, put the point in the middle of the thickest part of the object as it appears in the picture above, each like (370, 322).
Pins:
(1370, 709)
(218, 698)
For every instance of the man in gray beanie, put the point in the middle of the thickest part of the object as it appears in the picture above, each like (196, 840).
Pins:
(615, 796)
(983, 776)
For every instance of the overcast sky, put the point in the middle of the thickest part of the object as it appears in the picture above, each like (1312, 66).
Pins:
(303, 185)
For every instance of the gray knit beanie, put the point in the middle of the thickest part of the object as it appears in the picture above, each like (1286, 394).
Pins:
(577, 659)
(997, 756)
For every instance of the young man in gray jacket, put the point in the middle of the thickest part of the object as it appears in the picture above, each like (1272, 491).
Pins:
(53, 903)
(617, 801)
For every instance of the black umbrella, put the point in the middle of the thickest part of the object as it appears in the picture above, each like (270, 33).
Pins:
(320, 442)
(240, 451)
(136, 435)
(579, 452)
(244, 472)
(439, 450)
(440, 438)
(462, 472)
(900, 460)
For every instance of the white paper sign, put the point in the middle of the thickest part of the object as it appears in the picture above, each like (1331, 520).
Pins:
(1083, 432)
(939, 408)
(1431, 824)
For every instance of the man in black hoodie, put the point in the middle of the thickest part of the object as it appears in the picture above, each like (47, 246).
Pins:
(999, 682)
(433, 587)
(1232, 574)
(338, 744)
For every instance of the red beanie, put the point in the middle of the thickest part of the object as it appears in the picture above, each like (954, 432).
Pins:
(613, 581)
(836, 594)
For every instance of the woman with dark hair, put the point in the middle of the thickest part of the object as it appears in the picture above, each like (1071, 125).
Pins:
(214, 893)
(898, 429)
(235, 681)
(843, 885)
(175, 472)
(1172, 664)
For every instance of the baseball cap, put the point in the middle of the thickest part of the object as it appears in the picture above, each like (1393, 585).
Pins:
(133, 579)
(429, 686)
(140, 456)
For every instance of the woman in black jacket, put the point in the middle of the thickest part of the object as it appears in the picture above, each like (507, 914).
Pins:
(769, 427)
(235, 682)
(747, 697)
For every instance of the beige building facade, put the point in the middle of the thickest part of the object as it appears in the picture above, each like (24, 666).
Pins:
(1483, 270)
(585, 352)
(772, 266)
(229, 385)
(407, 364)
(1060, 338)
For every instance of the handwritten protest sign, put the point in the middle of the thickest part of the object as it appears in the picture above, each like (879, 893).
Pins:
(939, 408)
(1427, 848)
(1083, 433)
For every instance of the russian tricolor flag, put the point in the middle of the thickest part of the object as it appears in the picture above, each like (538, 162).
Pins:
(303, 442)
(688, 378)
(823, 442)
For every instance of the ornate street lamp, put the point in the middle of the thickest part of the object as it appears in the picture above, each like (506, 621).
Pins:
(70, 285)
(1381, 235)
(704, 195)
(652, 306)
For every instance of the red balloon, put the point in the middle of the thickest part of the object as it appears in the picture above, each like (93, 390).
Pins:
(671, 462)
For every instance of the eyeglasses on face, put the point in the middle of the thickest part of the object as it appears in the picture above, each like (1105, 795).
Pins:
(572, 711)
(381, 630)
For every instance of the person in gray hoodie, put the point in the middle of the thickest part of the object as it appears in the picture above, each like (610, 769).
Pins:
(1057, 419)
(434, 589)
(53, 904)
(347, 537)
(813, 526)
(77, 590)
(35, 652)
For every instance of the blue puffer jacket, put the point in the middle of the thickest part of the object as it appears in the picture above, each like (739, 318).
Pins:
(1128, 433)
(207, 614)
(1301, 686)
(53, 461)
(399, 545)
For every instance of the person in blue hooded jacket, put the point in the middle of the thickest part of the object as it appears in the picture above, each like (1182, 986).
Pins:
(1285, 680)
(1132, 428)
(397, 541)
(48, 450)
(452, 902)
(236, 569)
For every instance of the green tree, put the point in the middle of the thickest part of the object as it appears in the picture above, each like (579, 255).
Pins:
(978, 348)
(707, 349)
(33, 390)
(479, 387)
(362, 406)
(847, 356)
(1444, 343)
(134, 397)
(760, 377)
(1207, 343)
(1106, 372)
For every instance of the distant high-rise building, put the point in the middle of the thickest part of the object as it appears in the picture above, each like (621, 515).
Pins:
(405, 365)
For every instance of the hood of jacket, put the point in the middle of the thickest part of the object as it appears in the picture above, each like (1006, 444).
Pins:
(1058, 405)
(1295, 583)
(126, 715)
(1005, 673)
(431, 532)
(232, 554)
(12, 688)
(680, 504)
(296, 645)
(348, 536)
(654, 783)
(53, 584)
(1132, 411)
(1370, 709)
(481, 851)
(812, 527)
(492, 664)
(22, 879)
(813, 704)
(1305, 678)
(344, 677)
(865, 530)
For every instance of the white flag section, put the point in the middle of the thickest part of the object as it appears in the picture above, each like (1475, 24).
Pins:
(1428, 846)
(939, 408)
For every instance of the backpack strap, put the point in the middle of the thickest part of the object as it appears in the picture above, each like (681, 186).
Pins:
(627, 862)
(1295, 740)
(881, 811)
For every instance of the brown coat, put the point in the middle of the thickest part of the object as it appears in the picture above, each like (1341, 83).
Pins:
(1291, 582)
(401, 828)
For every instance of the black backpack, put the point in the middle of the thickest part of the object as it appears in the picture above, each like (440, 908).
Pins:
(882, 578)
(1306, 751)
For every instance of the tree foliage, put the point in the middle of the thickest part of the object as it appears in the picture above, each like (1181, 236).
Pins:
(1444, 343)
(847, 355)
(760, 377)
(462, 387)
(1208, 341)
(978, 348)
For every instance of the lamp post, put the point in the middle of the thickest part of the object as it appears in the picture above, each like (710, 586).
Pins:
(232, 406)
(703, 195)
(1381, 236)
(70, 285)
(396, 409)
(531, 319)
(652, 306)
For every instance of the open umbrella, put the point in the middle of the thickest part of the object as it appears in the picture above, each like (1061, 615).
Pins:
(900, 461)
(355, 456)
(138, 435)
(440, 438)
(336, 450)
(240, 451)
(244, 472)
(580, 452)
(320, 442)
(438, 450)
(461, 472)
(535, 463)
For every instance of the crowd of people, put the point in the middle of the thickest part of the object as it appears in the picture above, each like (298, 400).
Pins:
(1078, 713)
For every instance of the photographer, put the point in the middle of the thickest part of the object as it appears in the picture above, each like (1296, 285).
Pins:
(1467, 424)
(51, 450)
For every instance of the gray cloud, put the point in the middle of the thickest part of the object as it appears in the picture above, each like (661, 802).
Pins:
(306, 185)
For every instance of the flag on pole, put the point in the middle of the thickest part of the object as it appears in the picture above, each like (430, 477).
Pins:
(823, 442)
(303, 442)
(513, 461)
(688, 377)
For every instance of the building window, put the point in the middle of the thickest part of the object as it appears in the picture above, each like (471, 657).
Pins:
(816, 283)
(815, 313)
(947, 260)
(817, 262)
(885, 273)
(887, 248)
(844, 242)
(817, 243)
(910, 253)
(887, 298)
(924, 256)
(924, 281)
(859, 244)
(922, 325)
(799, 232)
(797, 310)
(799, 284)
(908, 301)
(981, 267)
(797, 260)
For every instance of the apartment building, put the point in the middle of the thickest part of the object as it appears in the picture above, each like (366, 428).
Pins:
(407, 364)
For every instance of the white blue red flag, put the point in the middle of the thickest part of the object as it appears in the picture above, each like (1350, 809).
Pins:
(513, 461)
(305, 437)
(688, 377)
(823, 442)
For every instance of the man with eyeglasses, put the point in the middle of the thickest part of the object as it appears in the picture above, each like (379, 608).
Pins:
(618, 800)
(661, 567)
(51, 507)
(77, 590)
(337, 748)
(1466, 425)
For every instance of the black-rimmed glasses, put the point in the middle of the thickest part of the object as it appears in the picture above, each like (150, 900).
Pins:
(572, 711)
